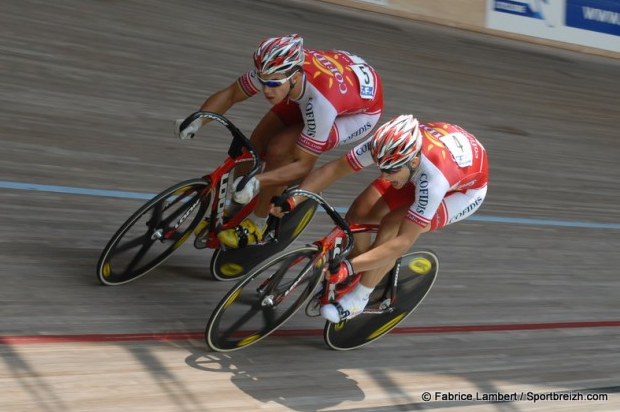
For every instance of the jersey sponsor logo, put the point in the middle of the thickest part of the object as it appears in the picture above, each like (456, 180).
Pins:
(467, 211)
(310, 144)
(422, 198)
(432, 131)
(362, 149)
(359, 132)
(246, 82)
(310, 119)
(417, 219)
(434, 137)
(332, 68)
(466, 185)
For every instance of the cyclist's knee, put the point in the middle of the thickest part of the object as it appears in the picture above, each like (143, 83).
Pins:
(394, 217)
(390, 223)
(276, 155)
(357, 213)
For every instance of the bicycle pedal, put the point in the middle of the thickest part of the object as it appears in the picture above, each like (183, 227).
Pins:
(201, 232)
(385, 304)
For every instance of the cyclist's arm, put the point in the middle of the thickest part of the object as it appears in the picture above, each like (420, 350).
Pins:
(320, 179)
(391, 250)
(222, 100)
(323, 177)
(326, 175)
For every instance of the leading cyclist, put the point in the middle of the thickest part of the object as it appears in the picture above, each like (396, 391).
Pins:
(432, 175)
(321, 99)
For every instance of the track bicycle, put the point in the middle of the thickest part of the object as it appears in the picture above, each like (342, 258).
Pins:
(272, 293)
(196, 207)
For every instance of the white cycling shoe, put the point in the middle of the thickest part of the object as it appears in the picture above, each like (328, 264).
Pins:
(348, 307)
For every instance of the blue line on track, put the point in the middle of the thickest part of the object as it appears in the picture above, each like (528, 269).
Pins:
(146, 196)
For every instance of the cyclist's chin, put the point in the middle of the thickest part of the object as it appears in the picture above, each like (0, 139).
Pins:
(274, 100)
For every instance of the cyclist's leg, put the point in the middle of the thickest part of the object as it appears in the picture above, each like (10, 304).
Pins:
(455, 207)
(275, 137)
(280, 152)
(375, 202)
(270, 125)
(368, 207)
(458, 206)
(388, 229)
(352, 128)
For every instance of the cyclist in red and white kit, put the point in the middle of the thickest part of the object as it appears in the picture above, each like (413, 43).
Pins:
(321, 99)
(432, 175)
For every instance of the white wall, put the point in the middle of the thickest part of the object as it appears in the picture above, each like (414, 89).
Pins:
(593, 26)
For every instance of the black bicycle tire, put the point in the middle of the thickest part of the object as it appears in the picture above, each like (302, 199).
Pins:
(389, 320)
(104, 266)
(254, 255)
(217, 340)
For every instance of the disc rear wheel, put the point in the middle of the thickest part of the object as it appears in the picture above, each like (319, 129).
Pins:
(233, 264)
(387, 308)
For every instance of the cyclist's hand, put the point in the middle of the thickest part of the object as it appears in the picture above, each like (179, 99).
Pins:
(342, 272)
(279, 207)
(245, 195)
(189, 131)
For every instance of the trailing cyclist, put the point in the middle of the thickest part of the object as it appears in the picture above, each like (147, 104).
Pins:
(321, 99)
(432, 175)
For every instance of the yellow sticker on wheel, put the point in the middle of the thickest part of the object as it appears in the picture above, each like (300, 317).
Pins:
(105, 270)
(420, 265)
(304, 222)
(248, 340)
(181, 190)
(182, 240)
(232, 298)
(230, 269)
(385, 328)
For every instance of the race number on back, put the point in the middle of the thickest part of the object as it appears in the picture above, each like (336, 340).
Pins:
(460, 148)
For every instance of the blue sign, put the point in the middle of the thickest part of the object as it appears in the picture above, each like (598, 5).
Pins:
(602, 16)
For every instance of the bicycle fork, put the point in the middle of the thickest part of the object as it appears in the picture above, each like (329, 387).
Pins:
(273, 299)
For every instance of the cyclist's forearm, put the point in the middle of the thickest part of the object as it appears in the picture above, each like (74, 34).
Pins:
(222, 100)
(284, 175)
(218, 103)
(326, 175)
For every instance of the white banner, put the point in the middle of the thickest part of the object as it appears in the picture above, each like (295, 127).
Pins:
(592, 23)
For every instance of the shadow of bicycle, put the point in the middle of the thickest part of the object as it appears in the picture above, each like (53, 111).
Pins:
(254, 373)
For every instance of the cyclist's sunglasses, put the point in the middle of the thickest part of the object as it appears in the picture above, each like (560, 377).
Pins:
(273, 83)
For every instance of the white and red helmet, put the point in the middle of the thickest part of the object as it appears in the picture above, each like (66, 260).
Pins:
(396, 142)
(279, 54)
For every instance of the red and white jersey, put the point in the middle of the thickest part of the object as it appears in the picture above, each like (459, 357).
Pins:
(452, 160)
(337, 84)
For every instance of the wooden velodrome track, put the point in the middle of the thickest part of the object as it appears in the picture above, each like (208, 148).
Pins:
(527, 300)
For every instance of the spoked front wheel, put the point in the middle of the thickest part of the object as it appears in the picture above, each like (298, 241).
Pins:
(265, 299)
(387, 307)
(153, 232)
